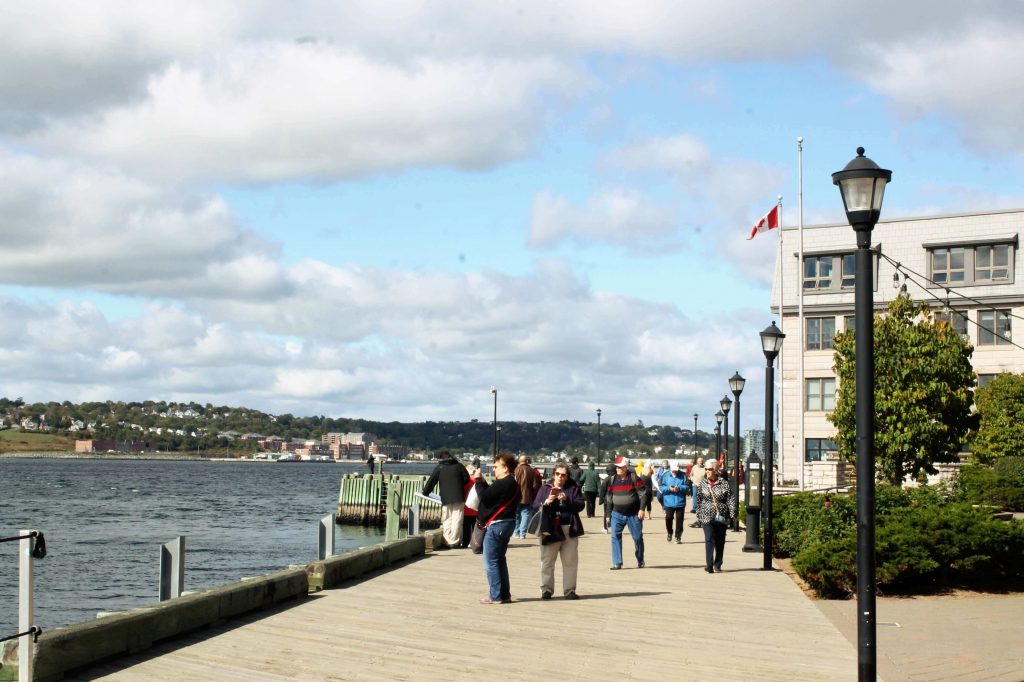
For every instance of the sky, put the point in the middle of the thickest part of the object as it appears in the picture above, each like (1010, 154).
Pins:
(382, 210)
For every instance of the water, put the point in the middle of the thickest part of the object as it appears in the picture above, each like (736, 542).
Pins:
(105, 520)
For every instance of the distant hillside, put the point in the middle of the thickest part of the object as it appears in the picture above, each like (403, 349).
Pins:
(191, 426)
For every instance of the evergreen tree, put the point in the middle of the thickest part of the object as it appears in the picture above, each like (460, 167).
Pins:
(923, 382)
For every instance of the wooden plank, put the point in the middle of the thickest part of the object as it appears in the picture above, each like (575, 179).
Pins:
(422, 621)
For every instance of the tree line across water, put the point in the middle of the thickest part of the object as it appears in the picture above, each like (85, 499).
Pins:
(126, 422)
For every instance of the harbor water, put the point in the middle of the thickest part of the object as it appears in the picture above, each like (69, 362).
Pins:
(106, 519)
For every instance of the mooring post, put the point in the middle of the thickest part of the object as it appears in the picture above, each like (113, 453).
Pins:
(26, 643)
(394, 513)
(326, 544)
(172, 568)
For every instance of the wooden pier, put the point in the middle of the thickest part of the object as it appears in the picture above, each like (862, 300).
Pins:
(421, 620)
(362, 499)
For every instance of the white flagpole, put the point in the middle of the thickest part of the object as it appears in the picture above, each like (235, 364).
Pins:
(782, 355)
(801, 447)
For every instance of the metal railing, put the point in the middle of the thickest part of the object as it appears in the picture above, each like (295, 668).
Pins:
(31, 546)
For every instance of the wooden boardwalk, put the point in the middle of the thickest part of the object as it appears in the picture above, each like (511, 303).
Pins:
(422, 621)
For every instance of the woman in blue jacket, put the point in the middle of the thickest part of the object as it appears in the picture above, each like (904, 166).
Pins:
(674, 488)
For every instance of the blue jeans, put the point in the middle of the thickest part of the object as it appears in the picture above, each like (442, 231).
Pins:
(636, 529)
(496, 541)
(523, 513)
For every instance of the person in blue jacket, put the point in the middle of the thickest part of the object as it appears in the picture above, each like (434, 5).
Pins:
(674, 487)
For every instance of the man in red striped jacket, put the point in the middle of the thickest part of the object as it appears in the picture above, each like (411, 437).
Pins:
(626, 497)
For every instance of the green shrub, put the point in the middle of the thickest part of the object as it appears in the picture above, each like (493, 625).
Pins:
(806, 520)
(1001, 485)
(919, 548)
(829, 568)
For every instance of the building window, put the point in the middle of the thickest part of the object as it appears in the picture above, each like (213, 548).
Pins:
(821, 332)
(966, 265)
(954, 318)
(818, 272)
(820, 394)
(820, 449)
(985, 379)
(948, 265)
(834, 273)
(849, 271)
(992, 263)
(849, 323)
(993, 327)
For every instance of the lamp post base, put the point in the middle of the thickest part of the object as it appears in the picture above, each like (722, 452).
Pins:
(753, 548)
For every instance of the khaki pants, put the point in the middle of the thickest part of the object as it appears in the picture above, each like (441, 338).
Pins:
(568, 551)
(451, 523)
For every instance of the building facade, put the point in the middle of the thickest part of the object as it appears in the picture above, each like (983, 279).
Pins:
(964, 266)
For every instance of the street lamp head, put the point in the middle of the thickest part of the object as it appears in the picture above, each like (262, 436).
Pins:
(862, 185)
(494, 391)
(599, 413)
(719, 417)
(771, 342)
(726, 404)
(736, 383)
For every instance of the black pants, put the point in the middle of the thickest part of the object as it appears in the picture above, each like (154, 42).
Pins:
(714, 543)
(591, 502)
(677, 514)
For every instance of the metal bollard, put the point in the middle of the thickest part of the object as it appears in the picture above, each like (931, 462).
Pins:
(326, 544)
(172, 568)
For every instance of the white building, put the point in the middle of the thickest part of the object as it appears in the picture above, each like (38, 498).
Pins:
(966, 262)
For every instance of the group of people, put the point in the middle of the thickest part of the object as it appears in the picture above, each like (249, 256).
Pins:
(517, 497)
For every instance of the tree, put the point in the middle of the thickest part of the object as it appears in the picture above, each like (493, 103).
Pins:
(923, 382)
(1001, 412)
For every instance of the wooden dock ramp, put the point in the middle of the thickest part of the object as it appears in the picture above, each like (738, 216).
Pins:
(422, 621)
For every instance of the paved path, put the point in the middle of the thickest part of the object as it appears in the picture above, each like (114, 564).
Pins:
(957, 637)
(421, 621)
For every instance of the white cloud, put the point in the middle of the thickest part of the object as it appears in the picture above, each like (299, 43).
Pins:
(276, 112)
(615, 215)
(69, 224)
(553, 346)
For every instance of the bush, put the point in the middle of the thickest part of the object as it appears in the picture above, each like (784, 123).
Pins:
(919, 548)
(1001, 485)
(805, 520)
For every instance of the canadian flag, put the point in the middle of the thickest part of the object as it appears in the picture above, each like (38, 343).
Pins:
(769, 221)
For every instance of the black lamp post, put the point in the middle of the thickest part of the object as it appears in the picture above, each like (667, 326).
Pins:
(719, 418)
(494, 392)
(497, 438)
(726, 404)
(736, 384)
(694, 436)
(771, 344)
(599, 436)
(862, 185)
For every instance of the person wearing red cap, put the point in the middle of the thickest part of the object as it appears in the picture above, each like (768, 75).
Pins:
(626, 498)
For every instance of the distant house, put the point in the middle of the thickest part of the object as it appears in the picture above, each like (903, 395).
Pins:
(93, 445)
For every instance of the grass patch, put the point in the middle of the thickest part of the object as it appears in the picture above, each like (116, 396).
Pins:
(27, 441)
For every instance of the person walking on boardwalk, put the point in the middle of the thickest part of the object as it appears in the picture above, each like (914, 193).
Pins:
(590, 482)
(627, 495)
(575, 470)
(609, 474)
(528, 480)
(674, 488)
(696, 473)
(716, 507)
(560, 501)
(497, 516)
(647, 476)
(452, 478)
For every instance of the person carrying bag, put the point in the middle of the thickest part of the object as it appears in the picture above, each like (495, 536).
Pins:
(716, 507)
